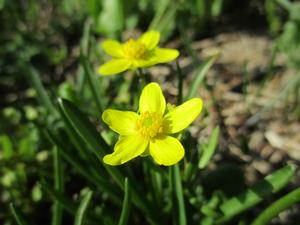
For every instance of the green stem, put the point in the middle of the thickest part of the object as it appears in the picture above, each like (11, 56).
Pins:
(277, 207)
(180, 83)
(82, 208)
(126, 204)
(58, 176)
(176, 179)
(18, 215)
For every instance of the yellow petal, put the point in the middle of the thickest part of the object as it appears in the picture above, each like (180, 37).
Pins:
(127, 148)
(183, 115)
(150, 39)
(162, 55)
(152, 99)
(114, 66)
(139, 63)
(166, 151)
(122, 122)
(113, 48)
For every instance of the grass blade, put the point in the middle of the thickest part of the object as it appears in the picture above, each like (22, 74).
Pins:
(42, 94)
(93, 83)
(126, 208)
(58, 179)
(18, 215)
(83, 206)
(159, 13)
(57, 196)
(209, 150)
(277, 207)
(84, 128)
(252, 196)
(180, 83)
(179, 194)
(99, 181)
(200, 75)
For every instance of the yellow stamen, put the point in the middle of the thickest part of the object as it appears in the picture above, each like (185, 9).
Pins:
(134, 49)
(150, 124)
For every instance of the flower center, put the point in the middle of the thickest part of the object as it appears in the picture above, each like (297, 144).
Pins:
(150, 124)
(134, 49)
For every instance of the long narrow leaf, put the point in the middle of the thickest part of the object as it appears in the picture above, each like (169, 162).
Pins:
(82, 209)
(179, 195)
(126, 208)
(100, 181)
(18, 215)
(57, 196)
(58, 179)
(159, 13)
(277, 207)
(209, 150)
(92, 81)
(42, 94)
(84, 128)
(252, 196)
(200, 74)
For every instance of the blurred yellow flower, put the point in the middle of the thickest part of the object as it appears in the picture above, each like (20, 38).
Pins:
(133, 54)
(150, 131)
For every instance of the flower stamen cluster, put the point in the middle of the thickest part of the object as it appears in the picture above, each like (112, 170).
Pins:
(150, 124)
(134, 49)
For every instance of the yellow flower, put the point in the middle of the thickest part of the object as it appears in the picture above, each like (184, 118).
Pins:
(150, 131)
(133, 54)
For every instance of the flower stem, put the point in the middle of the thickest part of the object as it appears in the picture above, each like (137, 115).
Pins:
(277, 207)
(180, 83)
(177, 192)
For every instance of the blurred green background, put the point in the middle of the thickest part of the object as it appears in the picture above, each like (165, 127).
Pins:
(59, 41)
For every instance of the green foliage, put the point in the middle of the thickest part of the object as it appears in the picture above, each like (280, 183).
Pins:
(52, 139)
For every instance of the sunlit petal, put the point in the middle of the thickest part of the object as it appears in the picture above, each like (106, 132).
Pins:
(162, 55)
(112, 48)
(122, 122)
(150, 39)
(127, 148)
(114, 66)
(152, 99)
(183, 115)
(166, 151)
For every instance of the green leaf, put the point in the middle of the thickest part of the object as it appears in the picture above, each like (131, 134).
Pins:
(18, 215)
(58, 183)
(252, 196)
(112, 12)
(277, 207)
(84, 128)
(209, 150)
(177, 184)
(59, 197)
(126, 208)
(93, 83)
(216, 7)
(6, 146)
(42, 94)
(164, 19)
(100, 181)
(83, 206)
(200, 74)
(66, 203)
(2, 4)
